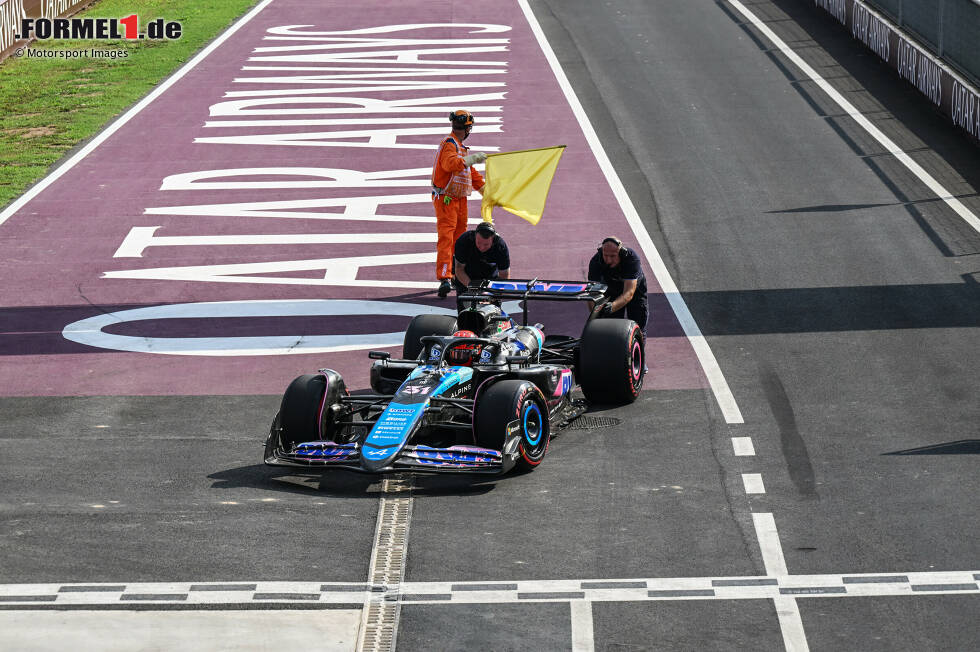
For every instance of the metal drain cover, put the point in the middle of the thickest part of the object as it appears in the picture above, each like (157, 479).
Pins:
(589, 422)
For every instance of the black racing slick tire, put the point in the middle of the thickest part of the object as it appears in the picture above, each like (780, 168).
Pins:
(422, 325)
(513, 406)
(308, 411)
(611, 361)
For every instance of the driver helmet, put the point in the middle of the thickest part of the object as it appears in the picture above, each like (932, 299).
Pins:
(463, 354)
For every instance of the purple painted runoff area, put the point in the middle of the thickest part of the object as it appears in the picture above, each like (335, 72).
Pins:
(122, 278)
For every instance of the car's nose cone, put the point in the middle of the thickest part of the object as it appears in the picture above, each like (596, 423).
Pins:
(375, 459)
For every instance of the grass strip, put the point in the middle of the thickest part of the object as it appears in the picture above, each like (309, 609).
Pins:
(50, 105)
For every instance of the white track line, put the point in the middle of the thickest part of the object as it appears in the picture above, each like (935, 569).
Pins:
(103, 135)
(583, 638)
(787, 611)
(772, 550)
(351, 595)
(858, 117)
(722, 392)
(743, 446)
(753, 483)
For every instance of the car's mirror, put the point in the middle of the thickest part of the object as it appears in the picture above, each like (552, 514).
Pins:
(379, 355)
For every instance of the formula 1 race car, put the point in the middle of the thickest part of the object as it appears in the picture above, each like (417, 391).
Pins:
(473, 393)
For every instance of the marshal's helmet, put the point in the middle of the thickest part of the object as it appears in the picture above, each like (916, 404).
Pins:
(461, 119)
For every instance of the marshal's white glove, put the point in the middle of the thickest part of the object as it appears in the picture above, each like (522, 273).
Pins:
(475, 157)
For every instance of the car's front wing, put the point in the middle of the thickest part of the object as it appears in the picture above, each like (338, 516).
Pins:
(455, 459)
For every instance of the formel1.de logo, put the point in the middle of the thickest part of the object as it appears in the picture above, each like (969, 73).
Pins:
(100, 29)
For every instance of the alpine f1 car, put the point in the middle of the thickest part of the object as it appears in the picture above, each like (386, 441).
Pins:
(474, 393)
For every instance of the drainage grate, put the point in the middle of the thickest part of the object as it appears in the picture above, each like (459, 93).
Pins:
(379, 622)
(589, 422)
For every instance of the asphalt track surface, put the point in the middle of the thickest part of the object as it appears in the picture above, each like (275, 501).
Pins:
(837, 293)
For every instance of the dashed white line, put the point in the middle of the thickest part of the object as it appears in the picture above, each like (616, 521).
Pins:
(753, 483)
(866, 124)
(348, 595)
(743, 446)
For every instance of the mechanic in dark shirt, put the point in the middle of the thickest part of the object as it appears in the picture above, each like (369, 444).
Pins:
(619, 268)
(480, 254)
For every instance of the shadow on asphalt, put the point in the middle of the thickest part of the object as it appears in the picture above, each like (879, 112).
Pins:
(346, 484)
(37, 330)
(961, 447)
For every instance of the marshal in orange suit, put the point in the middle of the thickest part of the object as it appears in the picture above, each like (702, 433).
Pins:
(453, 180)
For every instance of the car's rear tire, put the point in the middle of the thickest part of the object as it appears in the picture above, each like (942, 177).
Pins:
(611, 361)
(422, 325)
(308, 411)
(500, 406)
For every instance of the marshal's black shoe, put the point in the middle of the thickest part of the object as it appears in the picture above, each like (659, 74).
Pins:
(445, 288)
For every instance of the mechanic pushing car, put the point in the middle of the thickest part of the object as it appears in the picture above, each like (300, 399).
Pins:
(619, 268)
(479, 255)
(453, 180)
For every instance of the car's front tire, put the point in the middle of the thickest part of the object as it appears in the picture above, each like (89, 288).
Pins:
(511, 407)
(308, 412)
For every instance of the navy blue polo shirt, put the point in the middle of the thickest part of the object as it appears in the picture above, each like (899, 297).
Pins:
(628, 268)
(480, 265)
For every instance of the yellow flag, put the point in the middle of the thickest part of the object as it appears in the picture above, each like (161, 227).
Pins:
(519, 181)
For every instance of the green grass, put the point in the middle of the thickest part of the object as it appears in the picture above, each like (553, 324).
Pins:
(47, 106)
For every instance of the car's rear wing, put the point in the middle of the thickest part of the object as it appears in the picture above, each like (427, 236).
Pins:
(534, 289)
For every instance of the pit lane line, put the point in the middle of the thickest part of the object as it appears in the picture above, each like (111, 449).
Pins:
(941, 192)
(339, 595)
(787, 609)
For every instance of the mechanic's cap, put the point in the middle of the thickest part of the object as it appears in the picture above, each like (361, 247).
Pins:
(461, 118)
(486, 229)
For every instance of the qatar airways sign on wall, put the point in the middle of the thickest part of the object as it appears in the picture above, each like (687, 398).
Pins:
(951, 94)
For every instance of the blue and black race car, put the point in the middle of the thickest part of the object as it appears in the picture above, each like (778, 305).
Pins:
(475, 393)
